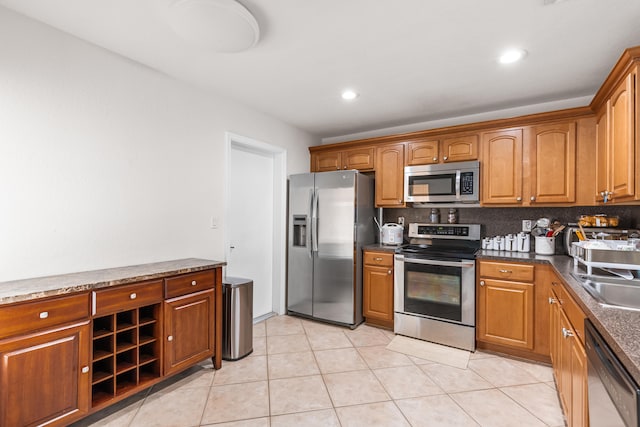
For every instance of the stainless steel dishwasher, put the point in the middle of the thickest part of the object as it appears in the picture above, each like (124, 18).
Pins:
(613, 394)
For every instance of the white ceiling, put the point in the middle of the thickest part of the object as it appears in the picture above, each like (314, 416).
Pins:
(411, 60)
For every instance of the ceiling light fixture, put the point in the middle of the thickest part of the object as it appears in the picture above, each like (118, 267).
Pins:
(512, 55)
(218, 25)
(349, 95)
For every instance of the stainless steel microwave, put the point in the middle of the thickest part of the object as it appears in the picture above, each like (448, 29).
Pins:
(443, 183)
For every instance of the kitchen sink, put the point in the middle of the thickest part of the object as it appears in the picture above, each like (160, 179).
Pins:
(611, 291)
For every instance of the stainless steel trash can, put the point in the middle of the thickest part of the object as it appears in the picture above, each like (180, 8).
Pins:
(237, 318)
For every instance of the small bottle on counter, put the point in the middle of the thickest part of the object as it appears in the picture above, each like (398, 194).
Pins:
(434, 218)
(452, 218)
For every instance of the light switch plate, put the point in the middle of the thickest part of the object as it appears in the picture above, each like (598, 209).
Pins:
(527, 224)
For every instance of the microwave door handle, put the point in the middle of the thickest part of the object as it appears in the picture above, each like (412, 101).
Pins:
(466, 264)
(457, 184)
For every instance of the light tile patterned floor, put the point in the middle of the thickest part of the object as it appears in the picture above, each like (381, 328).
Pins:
(305, 373)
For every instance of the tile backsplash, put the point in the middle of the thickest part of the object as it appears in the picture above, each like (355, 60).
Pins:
(500, 221)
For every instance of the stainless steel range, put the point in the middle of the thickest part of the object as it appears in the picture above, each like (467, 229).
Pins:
(434, 284)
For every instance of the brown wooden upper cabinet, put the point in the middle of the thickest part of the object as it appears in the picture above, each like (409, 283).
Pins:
(501, 168)
(452, 149)
(530, 166)
(552, 163)
(358, 158)
(616, 156)
(390, 175)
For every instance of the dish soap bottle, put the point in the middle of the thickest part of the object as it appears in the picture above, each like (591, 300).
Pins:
(434, 218)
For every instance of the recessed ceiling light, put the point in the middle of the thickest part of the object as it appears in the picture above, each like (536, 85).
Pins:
(512, 55)
(349, 95)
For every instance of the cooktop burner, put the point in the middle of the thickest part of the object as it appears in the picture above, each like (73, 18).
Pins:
(460, 241)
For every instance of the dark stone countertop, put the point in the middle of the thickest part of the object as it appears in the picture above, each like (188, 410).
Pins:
(40, 287)
(620, 328)
(380, 247)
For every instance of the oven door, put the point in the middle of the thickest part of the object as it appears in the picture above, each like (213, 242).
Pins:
(438, 289)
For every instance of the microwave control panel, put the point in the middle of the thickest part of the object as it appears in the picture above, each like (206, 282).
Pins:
(466, 183)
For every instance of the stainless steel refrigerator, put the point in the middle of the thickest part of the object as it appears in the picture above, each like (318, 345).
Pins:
(330, 219)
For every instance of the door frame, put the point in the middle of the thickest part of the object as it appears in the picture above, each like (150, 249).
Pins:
(279, 226)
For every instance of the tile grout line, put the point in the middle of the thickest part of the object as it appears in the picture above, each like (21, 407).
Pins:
(333, 405)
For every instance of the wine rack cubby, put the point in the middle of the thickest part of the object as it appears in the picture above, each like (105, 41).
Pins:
(125, 352)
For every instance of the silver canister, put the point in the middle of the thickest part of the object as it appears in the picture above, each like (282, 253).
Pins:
(452, 218)
(434, 218)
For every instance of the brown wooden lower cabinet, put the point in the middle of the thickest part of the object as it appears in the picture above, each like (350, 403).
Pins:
(44, 376)
(60, 362)
(505, 310)
(189, 330)
(377, 289)
(568, 356)
(512, 311)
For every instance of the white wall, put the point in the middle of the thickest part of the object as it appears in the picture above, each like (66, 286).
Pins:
(104, 162)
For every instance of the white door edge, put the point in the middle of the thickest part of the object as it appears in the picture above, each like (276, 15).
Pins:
(279, 205)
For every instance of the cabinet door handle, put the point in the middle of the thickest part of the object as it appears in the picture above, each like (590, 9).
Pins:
(193, 283)
(399, 201)
(445, 158)
(389, 272)
(170, 338)
(378, 259)
(518, 199)
(566, 333)
(505, 271)
(85, 369)
(344, 167)
(44, 315)
(533, 198)
(133, 296)
(552, 300)
(481, 282)
(435, 159)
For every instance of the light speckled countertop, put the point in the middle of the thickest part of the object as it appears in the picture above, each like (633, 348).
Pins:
(40, 287)
(619, 328)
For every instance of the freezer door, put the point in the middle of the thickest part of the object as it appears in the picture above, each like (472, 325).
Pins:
(300, 265)
(333, 272)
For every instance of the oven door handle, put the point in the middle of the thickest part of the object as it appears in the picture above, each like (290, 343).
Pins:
(464, 264)
(457, 184)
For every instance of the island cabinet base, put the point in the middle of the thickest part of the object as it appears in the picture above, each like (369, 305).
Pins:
(65, 357)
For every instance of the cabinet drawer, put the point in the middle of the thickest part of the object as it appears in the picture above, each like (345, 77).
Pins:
(507, 271)
(123, 298)
(32, 316)
(378, 258)
(189, 283)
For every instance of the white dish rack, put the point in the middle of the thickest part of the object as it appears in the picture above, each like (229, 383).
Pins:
(614, 254)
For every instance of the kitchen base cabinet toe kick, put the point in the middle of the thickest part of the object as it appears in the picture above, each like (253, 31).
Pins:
(65, 357)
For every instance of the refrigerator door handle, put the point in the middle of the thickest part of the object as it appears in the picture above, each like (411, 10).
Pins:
(314, 222)
(310, 238)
